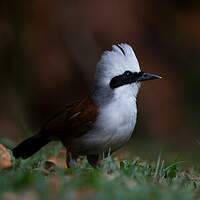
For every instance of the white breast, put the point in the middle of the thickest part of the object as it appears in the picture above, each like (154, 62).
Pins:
(113, 126)
(119, 119)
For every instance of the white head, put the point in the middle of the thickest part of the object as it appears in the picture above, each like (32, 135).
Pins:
(118, 72)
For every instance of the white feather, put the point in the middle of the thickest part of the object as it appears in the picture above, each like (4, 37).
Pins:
(117, 107)
(114, 63)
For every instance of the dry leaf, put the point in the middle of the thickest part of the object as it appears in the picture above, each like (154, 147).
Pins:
(59, 161)
(5, 158)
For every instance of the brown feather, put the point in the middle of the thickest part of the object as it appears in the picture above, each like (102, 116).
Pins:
(73, 121)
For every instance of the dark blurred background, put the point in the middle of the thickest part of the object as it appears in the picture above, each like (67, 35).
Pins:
(49, 50)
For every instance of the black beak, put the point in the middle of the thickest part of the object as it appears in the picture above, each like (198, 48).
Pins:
(146, 76)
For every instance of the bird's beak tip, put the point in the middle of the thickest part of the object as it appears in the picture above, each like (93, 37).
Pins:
(146, 76)
(159, 77)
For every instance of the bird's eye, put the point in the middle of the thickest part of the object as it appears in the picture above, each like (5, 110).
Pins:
(127, 73)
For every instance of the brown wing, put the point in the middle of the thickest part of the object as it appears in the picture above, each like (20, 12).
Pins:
(73, 121)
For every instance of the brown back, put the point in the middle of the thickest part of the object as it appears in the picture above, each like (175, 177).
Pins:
(73, 121)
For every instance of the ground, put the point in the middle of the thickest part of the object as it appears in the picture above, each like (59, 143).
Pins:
(45, 176)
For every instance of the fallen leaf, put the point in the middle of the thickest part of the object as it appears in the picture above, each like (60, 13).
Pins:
(59, 160)
(50, 166)
(5, 158)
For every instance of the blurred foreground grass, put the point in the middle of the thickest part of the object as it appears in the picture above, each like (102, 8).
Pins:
(117, 179)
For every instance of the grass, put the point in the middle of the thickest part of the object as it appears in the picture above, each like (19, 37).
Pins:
(124, 179)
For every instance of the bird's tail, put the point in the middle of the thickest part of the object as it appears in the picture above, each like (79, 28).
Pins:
(30, 146)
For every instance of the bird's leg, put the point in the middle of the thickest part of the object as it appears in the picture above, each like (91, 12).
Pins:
(71, 160)
(95, 160)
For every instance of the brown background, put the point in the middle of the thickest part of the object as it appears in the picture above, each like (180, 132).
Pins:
(49, 50)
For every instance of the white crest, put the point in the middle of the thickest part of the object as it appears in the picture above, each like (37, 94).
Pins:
(113, 63)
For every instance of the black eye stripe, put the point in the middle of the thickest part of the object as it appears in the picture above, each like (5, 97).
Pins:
(127, 77)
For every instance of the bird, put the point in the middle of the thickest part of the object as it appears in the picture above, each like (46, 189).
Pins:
(101, 123)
